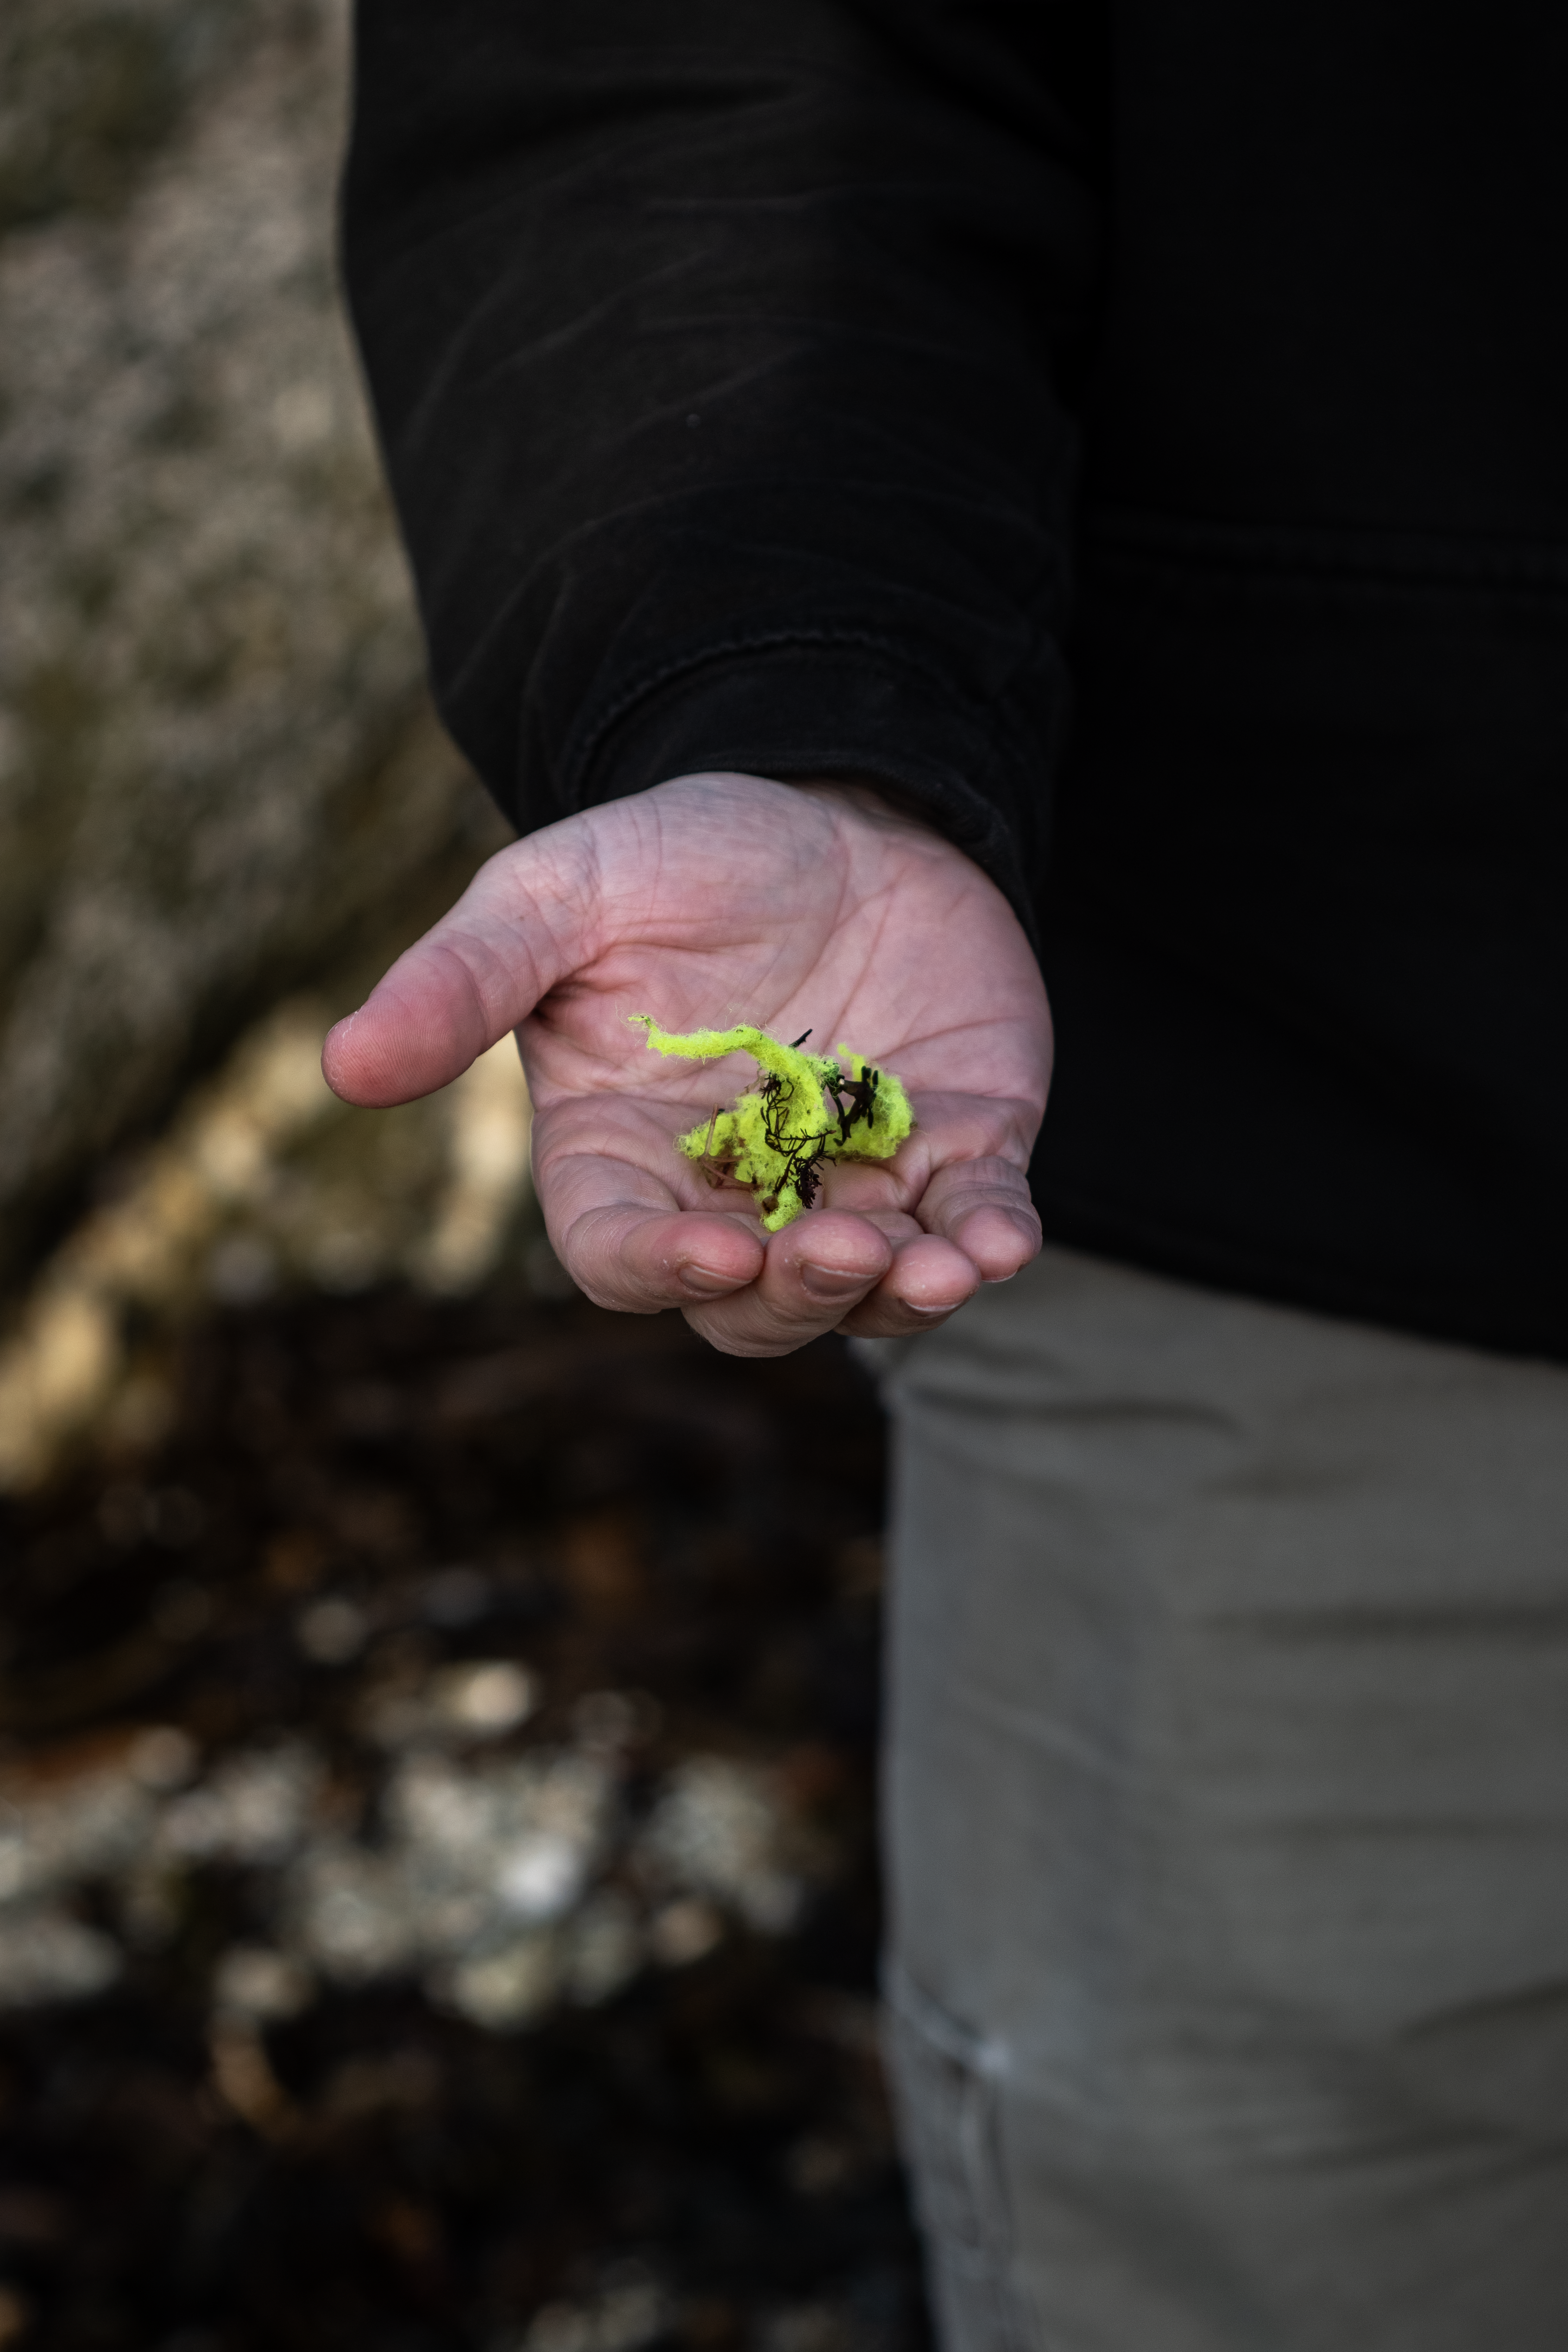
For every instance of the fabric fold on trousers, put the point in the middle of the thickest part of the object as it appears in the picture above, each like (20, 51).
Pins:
(1228, 1815)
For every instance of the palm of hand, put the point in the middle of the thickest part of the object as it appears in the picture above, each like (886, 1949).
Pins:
(711, 900)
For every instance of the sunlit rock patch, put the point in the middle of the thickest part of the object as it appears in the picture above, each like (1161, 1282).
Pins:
(503, 1883)
(265, 1181)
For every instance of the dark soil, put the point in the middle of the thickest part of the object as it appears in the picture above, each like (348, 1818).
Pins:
(641, 1514)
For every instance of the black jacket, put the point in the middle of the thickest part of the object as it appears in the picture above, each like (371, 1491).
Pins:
(1138, 436)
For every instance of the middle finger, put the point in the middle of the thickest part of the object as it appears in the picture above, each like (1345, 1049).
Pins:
(815, 1271)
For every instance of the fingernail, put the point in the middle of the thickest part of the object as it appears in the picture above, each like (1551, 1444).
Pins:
(703, 1282)
(829, 1282)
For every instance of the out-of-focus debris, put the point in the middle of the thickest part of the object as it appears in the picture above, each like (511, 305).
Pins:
(396, 2081)
(482, 1864)
(507, 1987)
(631, 2309)
(478, 1868)
(332, 1631)
(483, 1700)
(73, 1820)
(817, 2166)
(812, 2328)
(252, 1188)
(254, 1808)
(353, 1914)
(848, 2020)
(401, 1810)
(46, 1955)
(606, 1948)
(145, 1250)
(492, 1879)
(163, 1757)
(487, 1163)
(614, 1719)
(683, 1931)
(254, 1981)
(720, 1829)
(243, 2073)
(16, 2317)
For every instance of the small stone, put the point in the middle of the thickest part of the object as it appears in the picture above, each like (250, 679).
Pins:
(541, 1876)
(504, 1990)
(684, 1931)
(486, 1699)
(47, 1956)
(255, 1982)
(332, 1631)
(254, 1808)
(162, 1758)
(719, 1830)
(605, 1950)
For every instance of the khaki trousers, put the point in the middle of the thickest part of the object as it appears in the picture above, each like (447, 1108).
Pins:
(1227, 1811)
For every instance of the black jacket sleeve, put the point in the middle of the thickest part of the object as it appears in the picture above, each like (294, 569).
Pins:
(724, 354)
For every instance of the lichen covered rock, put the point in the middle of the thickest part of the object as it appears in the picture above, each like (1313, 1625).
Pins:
(218, 771)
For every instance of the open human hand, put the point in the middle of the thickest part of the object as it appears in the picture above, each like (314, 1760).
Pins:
(710, 901)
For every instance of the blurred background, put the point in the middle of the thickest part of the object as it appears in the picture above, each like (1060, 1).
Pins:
(438, 1899)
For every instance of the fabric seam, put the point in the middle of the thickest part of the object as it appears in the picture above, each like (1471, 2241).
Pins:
(578, 767)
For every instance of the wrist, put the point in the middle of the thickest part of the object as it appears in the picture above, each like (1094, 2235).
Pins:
(882, 803)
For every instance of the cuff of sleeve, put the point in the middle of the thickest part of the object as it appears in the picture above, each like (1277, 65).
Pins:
(833, 710)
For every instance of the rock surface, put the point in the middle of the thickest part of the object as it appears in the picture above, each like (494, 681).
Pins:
(219, 775)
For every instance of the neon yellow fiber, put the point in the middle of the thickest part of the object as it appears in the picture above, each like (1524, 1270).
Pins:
(809, 1109)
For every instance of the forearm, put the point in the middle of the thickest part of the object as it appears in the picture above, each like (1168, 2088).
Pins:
(720, 355)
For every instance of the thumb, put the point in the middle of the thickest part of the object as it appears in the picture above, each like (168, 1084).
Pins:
(521, 926)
